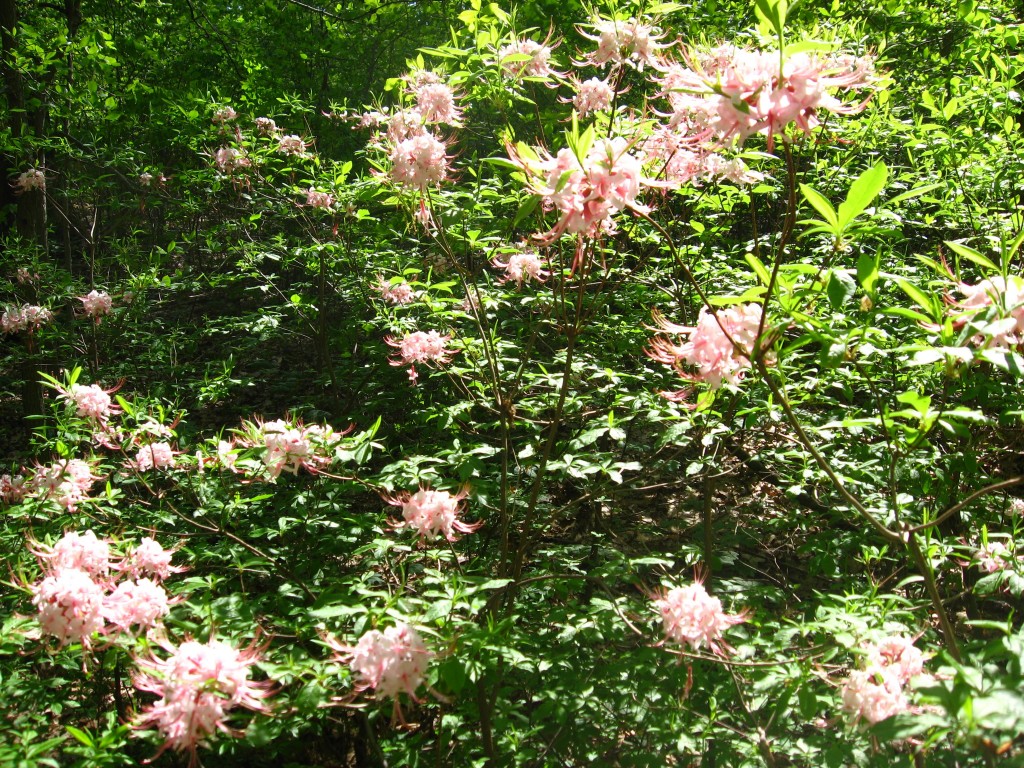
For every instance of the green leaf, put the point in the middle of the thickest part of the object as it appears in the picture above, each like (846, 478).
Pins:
(863, 192)
(840, 288)
(965, 251)
(821, 205)
(917, 296)
(867, 270)
(759, 268)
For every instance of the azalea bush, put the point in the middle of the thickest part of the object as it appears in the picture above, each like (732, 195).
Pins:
(629, 396)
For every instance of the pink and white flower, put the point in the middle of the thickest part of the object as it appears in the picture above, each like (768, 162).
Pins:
(419, 161)
(390, 663)
(430, 513)
(265, 126)
(31, 179)
(157, 455)
(230, 159)
(522, 267)
(70, 606)
(316, 199)
(624, 42)
(79, 551)
(224, 115)
(435, 102)
(397, 293)
(27, 317)
(693, 617)
(291, 145)
(993, 556)
(150, 559)
(876, 692)
(12, 488)
(65, 482)
(514, 61)
(719, 346)
(199, 684)
(593, 95)
(420, 347)
(91, 402)
(97, 304)
(141, 603)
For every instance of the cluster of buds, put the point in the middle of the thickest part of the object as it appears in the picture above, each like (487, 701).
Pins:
(286, 446)
(84, 592)
(431, 513)
(876, 691)
(198, 686)
(27, 317)
(694, 618)
(428, 347)
(718, 347)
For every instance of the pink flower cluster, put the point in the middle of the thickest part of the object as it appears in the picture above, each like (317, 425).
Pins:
(230, 159)
(875, 692)
(994, 308)
(526, 58)
(289, 447)
(31, 179)
(693, 617)
(994, 556)
(390, 663)
(198, 685)
(430, 513)
(315, 199)
(224, 115)
(81, 595)
(156, 455)
(522, 267)
(586, 192)
(719, 346)
(265, 126)
(91, 402)
(27, 317)
(65, 482)
(732, 93)
(291, 145)
(96, 304)
(677, 160)
(593, 95)
(12, 488)
(420, 347)
(419, 161)
(624, 42)
(397, 293)
(147, 179)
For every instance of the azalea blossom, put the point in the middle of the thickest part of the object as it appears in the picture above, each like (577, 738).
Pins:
(586, 192)
(27, 317)
(522, 266)
(420, 347)
(435, 102)
(291, 145)
(316, 199)
(198, 686)
(31, 179)
(12, 488)
(65, 482)
(70, 605)
(158, 455)
(25, 277)
(224, 115)
(718, 347)
(419, 161)
(290, 447)
(91, 401)
(537, 65)
(230, 159)
(79, 551)
(430, 513)
(97, 304)
(398, 293)
(620, 42)
(265, 126)
(994, 308)
(693, 617)
(593, 95)
(150, 559)
(390, 663)
(993, 556)
(876, 692)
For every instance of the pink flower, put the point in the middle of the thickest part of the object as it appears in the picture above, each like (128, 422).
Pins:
(593, 95)
(148, 557)
(431, 513)
(31, 179)
(229, 160)
(420, 347)
(391, 662)
(198, 685)
(143, 603)
(97, 304)
(399, 293)
(436, 103)
(315, 199)
(154, 456)
(405, 124)
(224, 115)
(621, 42)
(65, 482)
(25, 277)
(81, 552)
(291, 145)
(993, 556)
(265, 126)
(522, 266)
(995, 309)
(899, 655)
(70, 606)
(12, 489)
(419, 161)
(873, 695)
(693, 617)
(291, 447)
(585, 193)
(28, 317)
(91, 402)
(513, 59)
(719, 348)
